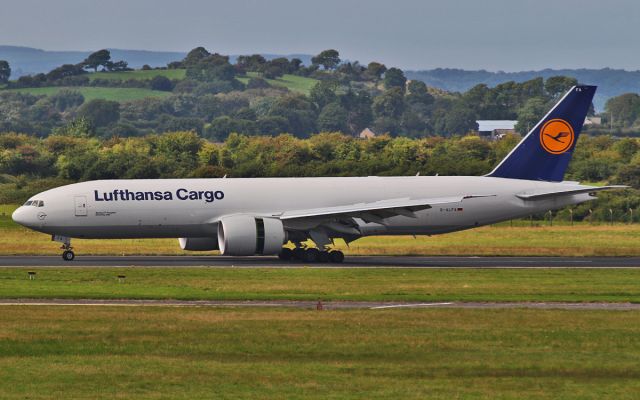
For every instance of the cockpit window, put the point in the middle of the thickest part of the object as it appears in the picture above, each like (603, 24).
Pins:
(28, 203)
(40, 203)
(34, 203)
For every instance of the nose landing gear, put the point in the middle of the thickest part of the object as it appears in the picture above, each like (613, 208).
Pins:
(67, 252)
(68, 255)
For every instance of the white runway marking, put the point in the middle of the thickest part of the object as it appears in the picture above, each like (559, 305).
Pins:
(411, 305)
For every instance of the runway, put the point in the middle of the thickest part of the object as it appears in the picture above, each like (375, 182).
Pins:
(312, 305)
(349, 262)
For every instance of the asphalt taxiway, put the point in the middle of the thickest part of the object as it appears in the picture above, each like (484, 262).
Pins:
(349, 262)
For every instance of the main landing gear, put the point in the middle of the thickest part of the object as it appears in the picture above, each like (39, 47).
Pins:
(311, 255)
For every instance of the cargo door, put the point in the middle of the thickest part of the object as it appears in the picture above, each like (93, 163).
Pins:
(81, 206)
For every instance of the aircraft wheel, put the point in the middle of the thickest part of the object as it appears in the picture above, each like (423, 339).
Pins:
(286, 254)
(323, 257)
(311, 255)
(68, 255)
(298, 254)
(336, 256)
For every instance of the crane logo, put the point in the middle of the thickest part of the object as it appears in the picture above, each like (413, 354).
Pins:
(556, 136)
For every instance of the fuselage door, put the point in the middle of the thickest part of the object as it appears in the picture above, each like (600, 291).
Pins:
(81, 206)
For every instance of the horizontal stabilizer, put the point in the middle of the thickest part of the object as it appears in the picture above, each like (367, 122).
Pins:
(567, 191)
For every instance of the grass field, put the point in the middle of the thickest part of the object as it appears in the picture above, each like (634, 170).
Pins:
(139, 74)
(577, 241)
(294, 83)
(200, 353)
(388, 284)
(91, 93)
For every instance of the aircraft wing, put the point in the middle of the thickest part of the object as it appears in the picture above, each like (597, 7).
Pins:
(375, 211)
(567, 191)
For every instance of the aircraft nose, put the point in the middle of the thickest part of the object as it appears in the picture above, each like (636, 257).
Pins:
(20, 216)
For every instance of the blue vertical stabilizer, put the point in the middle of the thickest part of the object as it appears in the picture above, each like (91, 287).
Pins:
(546, 150)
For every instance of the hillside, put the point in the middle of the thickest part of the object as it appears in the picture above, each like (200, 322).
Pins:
(294, 83)
(92, 93)
(610, 82)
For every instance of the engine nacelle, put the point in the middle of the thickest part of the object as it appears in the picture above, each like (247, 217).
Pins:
(199, 243)
(246, 235)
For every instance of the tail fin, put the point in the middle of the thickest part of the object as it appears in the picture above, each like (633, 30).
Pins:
(546, 150)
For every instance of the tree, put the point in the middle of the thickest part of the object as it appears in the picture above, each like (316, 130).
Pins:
(162, 83)
(272, 72)
(221, 127)
(299, 112)
(333, 118)
(97, 59)
(418, 93)
(65, 99)
(394, 78)
(375, 70)
(460, 121)
(324, 92)
(269, 125)
(530, 114)
(195, 56)
(556, 86)
(389, 104)
(358, 106)
(100, 112)
(65, 71)
(117, 66)
(329, 59)
(80, 127)
(254, 62)
(214, 67)
(624, 109)
(5, 71)
(294, 65)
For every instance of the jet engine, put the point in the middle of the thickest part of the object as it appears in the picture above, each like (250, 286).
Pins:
(246, 235)
(199, 243)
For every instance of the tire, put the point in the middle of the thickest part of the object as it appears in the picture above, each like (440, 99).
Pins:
(311, 255)
(298, 254)
(68, 255)
(323, 257)
(336, 257)
(286, 254)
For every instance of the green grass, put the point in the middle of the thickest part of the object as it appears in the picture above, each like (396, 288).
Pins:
(203, 353)
(294, 83)
(386, 284)
(139, 74)
(91, 93)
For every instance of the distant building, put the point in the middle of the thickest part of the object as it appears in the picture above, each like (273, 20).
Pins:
(367, 134)
(495, 129)
(593, 121)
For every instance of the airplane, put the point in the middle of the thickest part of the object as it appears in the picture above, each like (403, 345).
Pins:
(259, 216)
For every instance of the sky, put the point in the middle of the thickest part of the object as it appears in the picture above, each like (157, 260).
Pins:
(506, 35)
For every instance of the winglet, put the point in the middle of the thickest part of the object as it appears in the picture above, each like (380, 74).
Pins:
(546, 150)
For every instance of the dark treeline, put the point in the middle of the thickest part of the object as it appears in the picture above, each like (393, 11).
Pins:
(29, 164)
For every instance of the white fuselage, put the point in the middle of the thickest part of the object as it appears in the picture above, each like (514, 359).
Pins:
(192, 207)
